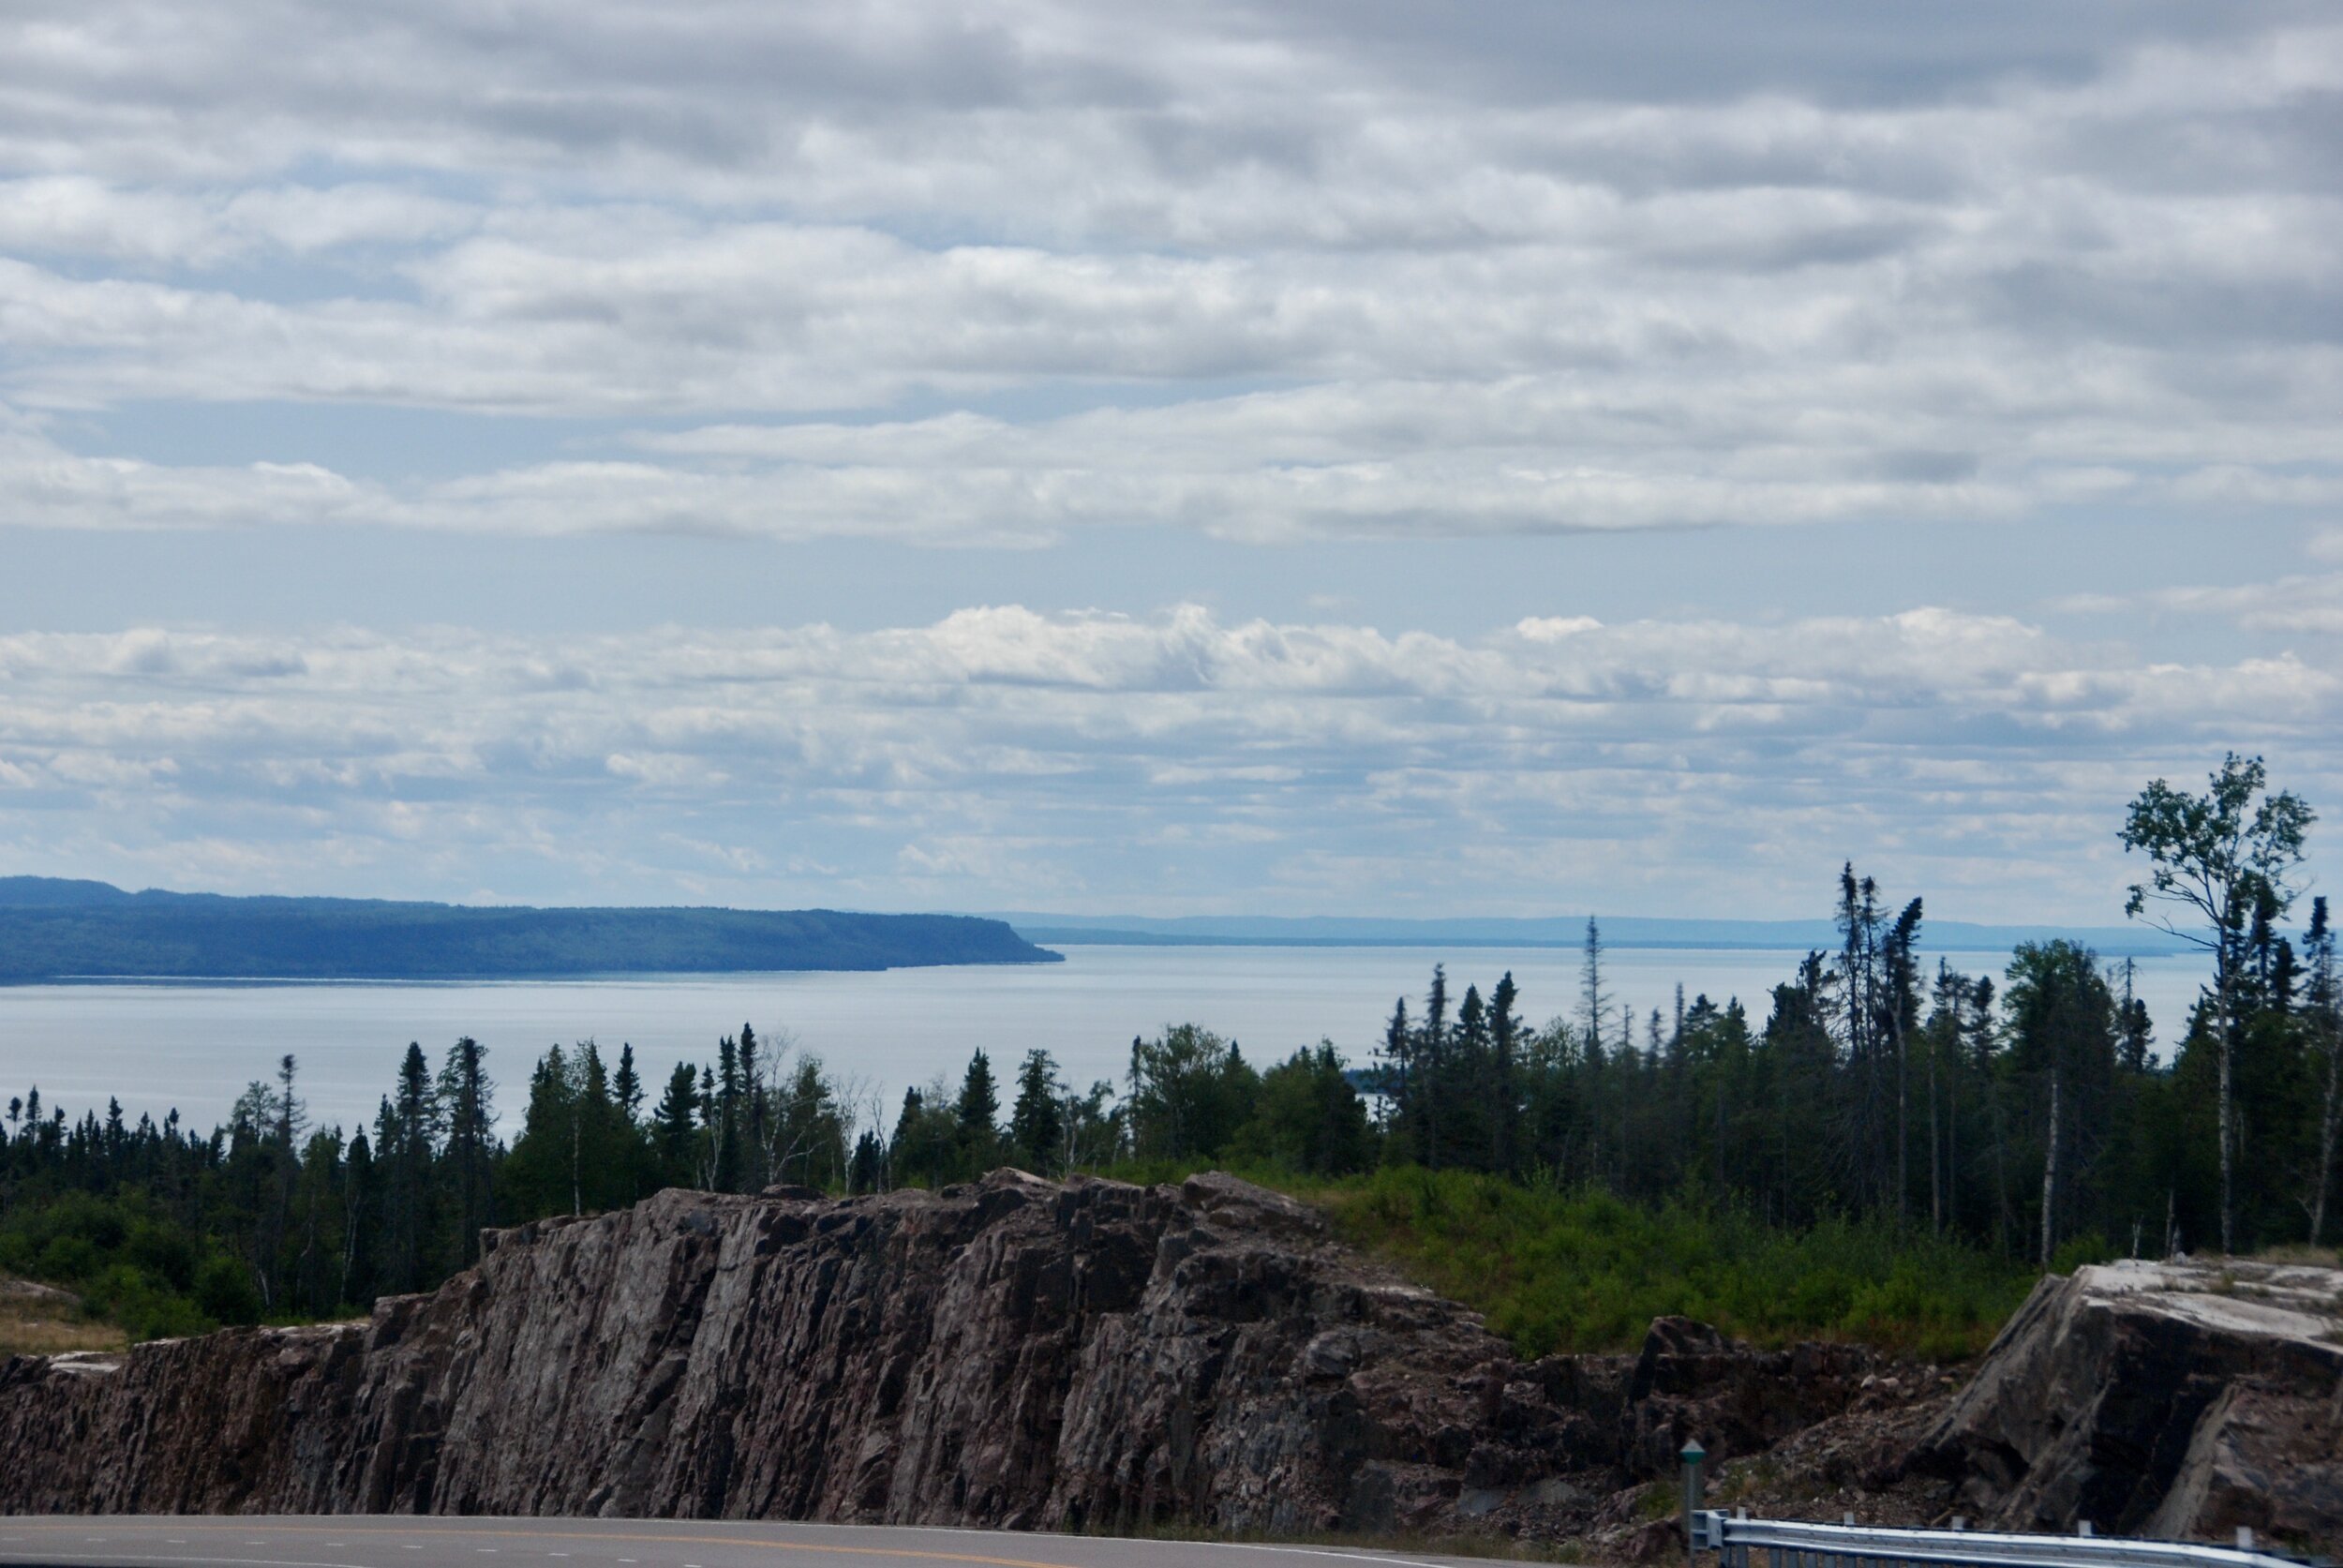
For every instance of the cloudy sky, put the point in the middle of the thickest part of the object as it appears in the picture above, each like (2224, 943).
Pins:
(1293, 458)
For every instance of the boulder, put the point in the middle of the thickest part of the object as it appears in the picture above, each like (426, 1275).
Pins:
(2163, 1398)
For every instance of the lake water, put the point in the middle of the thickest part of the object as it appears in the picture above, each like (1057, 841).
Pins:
(194, 1047)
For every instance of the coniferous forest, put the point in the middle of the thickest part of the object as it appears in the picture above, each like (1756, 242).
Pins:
(1881, 1147)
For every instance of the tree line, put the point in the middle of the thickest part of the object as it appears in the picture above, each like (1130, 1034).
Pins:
(2026, 1112)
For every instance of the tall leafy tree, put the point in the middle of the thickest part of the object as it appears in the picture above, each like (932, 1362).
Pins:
(1309, 1118)
(1190, 1091)
(2213, 858)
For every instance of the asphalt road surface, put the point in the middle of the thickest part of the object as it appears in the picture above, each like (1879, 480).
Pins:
(395, 1542)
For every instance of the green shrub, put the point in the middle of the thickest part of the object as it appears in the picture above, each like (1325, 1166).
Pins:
(66, 1260)
(224, 1290)
(1578, 1269)
(129, 1262)
(2090, 1248)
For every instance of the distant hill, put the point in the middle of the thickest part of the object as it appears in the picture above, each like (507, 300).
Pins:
(1329, 930)
(53, 930)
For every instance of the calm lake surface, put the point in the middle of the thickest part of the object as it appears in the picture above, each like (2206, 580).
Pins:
(194, 1047)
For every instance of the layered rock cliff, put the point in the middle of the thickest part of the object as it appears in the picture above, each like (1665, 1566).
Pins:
(1014, 1352)
(1095, 1355)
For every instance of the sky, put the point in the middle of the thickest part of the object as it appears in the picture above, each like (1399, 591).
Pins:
(1281, 458)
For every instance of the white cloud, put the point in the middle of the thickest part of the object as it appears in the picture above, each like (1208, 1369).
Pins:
(928, 274)
(1481, 286)
(1001, 753)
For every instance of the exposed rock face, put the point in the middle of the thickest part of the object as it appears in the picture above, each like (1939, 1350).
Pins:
(1692, 1381)
(1016, 1353)
(2173, 1399)
(1019, 1353)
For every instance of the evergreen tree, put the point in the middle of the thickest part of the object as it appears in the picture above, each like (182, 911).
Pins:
(466, 1098)
(977, 1110)
(727, 1117)
(406, 1144)
(808, 1130)
(541, 1173)
(1504, 1076)
(677, 1132)
(1037, 1122)
(2323, 1034)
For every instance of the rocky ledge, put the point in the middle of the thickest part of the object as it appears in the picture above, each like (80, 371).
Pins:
(2170, 1400)
(1084, 1355)
(1091, 1355)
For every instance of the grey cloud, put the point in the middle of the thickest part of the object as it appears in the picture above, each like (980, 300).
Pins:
(1745, 293)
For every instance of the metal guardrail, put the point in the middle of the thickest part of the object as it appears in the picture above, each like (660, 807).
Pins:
(1789, 1544)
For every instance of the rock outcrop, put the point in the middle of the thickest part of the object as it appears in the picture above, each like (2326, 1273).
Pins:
(1096, 1356)
(1013, 1352)
(2170, 1400)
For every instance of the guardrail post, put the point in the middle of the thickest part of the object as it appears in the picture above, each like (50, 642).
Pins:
(1691, 1454)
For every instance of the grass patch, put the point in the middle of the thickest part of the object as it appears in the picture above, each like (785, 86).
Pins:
(36, 1320)
(2301, 1253)
(1578, 1269)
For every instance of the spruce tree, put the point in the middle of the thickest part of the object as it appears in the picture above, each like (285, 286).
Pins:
(465, 1093)
(677, 1128)
(1037, 1122)
(980, 1103)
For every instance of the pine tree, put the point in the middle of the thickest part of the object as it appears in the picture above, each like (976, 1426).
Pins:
(1594, 1001)
(1037, 1124)
(979, 1104)
(727, 1117)
(466, 1094)
(1504, 1091)
(756, 1140)
(676, 1123)
(408, 1150)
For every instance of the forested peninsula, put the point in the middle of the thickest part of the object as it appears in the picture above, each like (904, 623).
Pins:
(53, 930)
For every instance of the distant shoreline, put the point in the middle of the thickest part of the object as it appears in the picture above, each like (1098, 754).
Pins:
(1644, 932)
(1049, 936)
(54, 932)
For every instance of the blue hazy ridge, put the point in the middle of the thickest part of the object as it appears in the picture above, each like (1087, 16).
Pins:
(53, 929)
(1556, 931)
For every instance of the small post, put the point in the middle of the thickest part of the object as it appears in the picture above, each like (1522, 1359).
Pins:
(1959, 1522)
(2245, 1538)
(2083, 1527)
(1692, 1454)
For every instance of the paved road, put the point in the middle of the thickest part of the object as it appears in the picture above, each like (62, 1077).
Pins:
(388, 1541)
